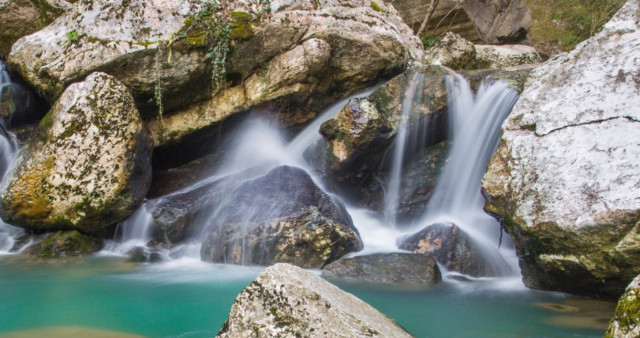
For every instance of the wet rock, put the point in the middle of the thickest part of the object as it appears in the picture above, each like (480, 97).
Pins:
(451, 247)
(515, 76)
(87, 167)
(359, 136)
(395, 268)
(287, 301)
(503, 21)
(144, 255)
(564, 176)
(19, 18)
(18, 105)
(279, 217)
(626, 321)
(65, 244)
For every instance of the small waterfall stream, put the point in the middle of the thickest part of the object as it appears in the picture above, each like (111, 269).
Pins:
(8, 152)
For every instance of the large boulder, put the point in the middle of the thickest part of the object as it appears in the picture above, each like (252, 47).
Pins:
(564, 176)
(451, 247)
(238, 55)
(87, 167)
(280, 216)
(395, 268)
(626, 321)
(286, 301)
(23, 17)
(502, 21)
(360, 134)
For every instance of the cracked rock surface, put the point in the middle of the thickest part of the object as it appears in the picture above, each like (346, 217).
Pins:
(565, 175)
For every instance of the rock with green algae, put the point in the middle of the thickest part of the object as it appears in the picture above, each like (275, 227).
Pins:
(88, 165)
(19, 18)
(626, 320)
(65, 244)
(286, 301)
(564, 176)
(401, 269)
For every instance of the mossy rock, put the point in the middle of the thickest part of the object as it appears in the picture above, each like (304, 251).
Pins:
(626, 320)
(65, 244)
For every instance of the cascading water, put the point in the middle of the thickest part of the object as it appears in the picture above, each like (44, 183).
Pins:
(392, 193)
(8, 153)
(475, 123)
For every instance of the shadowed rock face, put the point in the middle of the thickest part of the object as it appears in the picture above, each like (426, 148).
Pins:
(260, 219)
(87, 167)
(452, 247)
(395, 268)
(286, 301)
(564, 176)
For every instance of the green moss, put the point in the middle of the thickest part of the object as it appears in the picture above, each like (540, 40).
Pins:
(146, 43)
(241, 25)
(72, 36)
(46, 12)
(47, 120)
(67, 243)
(376, 7)
(627, 313)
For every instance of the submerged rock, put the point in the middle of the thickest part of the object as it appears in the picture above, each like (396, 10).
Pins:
(394, 268)
(278, 217)
(502, 21)
(87, 167)
(286, 301)
(23, 17)
(65, 244)
(451, 247)
(564, 176)
(626, 321)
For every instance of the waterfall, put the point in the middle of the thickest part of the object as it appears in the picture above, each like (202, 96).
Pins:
(8, 153)
(475, 123)
(392, 193)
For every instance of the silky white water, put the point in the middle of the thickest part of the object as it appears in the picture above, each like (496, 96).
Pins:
(8, 153)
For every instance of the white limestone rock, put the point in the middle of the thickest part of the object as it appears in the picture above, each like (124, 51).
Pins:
(287, 301)
(565, 175)
(496, 57)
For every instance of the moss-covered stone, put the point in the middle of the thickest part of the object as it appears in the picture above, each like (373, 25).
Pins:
(65, 244)
(626, 320)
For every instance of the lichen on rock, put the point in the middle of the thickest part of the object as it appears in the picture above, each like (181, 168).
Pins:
(626, 320)
(88, 165)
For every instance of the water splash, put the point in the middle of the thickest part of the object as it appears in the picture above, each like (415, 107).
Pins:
(132, 233)
(8, 153)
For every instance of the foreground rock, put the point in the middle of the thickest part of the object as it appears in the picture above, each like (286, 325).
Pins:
(358, 137)
(66, 244)
(23, 17)
(286, 301)
(87, 167)
(278, 217)
(452, 247)
(503, 21)
(626, 321)
(174, 53)
(395, 268)
(564, 176)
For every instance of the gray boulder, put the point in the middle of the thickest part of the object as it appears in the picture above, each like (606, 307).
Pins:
(281, 216)
(286, 301)
(564, 176)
